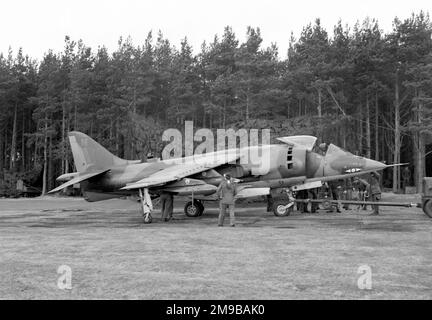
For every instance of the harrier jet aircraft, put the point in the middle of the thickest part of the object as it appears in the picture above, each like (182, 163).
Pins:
(290, 164)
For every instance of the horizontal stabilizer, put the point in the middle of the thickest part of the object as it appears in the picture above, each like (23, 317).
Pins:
(81, 177)
(67, 176)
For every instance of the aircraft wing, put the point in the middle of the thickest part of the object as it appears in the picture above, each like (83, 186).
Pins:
(182, 170)
(81, 177)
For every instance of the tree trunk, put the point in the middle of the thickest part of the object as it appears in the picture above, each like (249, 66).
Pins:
(66, 156)
(224, 114)
(23, 149)
(75, 117)
(421, 169)
(1, 152)
(419, 150)
(63, 136)
(50, 164)
(117, 138)
(28, 149)
(211, 120)
(45, 162)
(13, 143)
(111, 131)
(319, 103)
(344, 135)
(5, 146)
(396, 151)
(287, 110)
(299, 107)
(247, 106)
(368, 129)
(360, 136)
(383, 145)
(376, 127)
(36, 148)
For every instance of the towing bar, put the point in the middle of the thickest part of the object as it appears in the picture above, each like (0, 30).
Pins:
(371, 203)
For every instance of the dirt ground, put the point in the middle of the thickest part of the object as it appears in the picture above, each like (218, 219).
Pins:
(113, 255)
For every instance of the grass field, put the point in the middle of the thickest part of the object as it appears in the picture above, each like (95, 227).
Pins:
(114, 256)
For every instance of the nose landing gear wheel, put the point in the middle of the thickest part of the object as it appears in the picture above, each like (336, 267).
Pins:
(194, 209)
(282, 208)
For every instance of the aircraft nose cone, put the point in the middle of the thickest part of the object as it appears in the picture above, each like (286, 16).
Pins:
(338, 161)
(373, 165)
(351, 164)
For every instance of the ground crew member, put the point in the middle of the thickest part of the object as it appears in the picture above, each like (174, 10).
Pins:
(375, 191)
(166, 200)
(355, 194)
(362, 186)
(226, 191)
(269, 203)
(406, 176)
(335, 187)
(347, 193)
(302, 206)
(313, 193)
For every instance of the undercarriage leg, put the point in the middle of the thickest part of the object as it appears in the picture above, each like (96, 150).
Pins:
(146, 203)
(282, 201)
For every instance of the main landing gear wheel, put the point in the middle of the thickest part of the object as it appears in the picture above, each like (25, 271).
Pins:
(427, 208)
(327, 204)
(281, 208)
(194, 209)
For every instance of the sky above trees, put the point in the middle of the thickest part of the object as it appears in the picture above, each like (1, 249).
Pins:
(37, 26)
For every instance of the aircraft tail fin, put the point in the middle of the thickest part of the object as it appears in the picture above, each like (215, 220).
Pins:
(89, 155)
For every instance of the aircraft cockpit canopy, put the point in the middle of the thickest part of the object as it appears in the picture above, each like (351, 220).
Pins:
(326, 149)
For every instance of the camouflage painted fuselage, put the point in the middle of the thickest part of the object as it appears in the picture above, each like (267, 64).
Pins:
(277, 165)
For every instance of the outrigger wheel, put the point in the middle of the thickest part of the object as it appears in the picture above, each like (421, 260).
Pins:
(427, 207)
(146, 205)
(282, 208)
(148, 218)
(194, 209)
